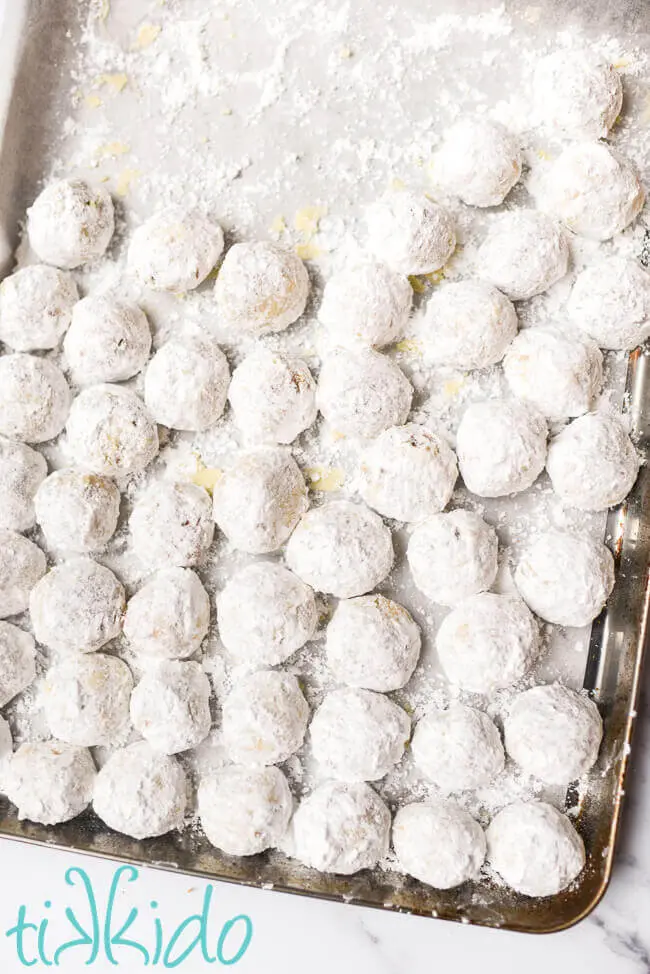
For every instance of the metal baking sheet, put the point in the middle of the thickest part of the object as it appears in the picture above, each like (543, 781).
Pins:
(36, 39)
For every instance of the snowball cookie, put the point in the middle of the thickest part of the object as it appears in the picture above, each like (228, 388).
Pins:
(259, 500)
(592, 462)
(553, 733)
(175, 249)
(439, 843)
(564, 578)
(17, 666)
(559, 375)
(273, 396)
(488, 642)
(171, 525)
(109, 431)
(479, 162)
(409, 232)
(534, 848)
(372, 643)
(361, 393)
(264, 718)
(50, 782)
(261, 287)
(341, 827)
(458, 748)
(593, 189)
(358, 735)
(169, 617)
(342, 549)
(407, 473)
(108, 340)
(265, 613)
(170, 706)
(467, 324)
(34, 398)
(610, 302)
(453, 556)
(70, 223)
(141, 792)
(77, 607)
(6, 742)
(524, 253)
(22, 564)
(366, 303)
(86, 699)
(186, 383)
(577, 93)
(501, 446)
(21, 471)
(244, 811)
(35, 307)
(77, 511)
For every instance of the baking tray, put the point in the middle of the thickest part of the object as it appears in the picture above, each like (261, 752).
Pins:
(617, 641)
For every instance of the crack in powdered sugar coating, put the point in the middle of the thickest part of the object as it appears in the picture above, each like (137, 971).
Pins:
(22, 470)
(259, 500)
(341, 548)
(36, 307)
(341, 828)
(610, 302)
(366, 303)
(273, 396)
(50, 782)
(407, 473)
(108, 340)
(86, 699)
(169, 617)
(479, 162)
(17, 661)
(577, 93)
(171, 525)
(501, 447)
(358, 735)
(140, 792)
(534, 848)
(109, 431)
(553, 733)
(488, 642)
(244, 811)
(523, 254)
(22, 564)
(593, 189)
(265, 613)
(34, 398)
(458, 748)
(592, 462)
(77, 511)
(559, 374)
(264, 718)
(70, 223)
(467, 324)
(565, 578)
(409, 232)
(362, 392)
(261, 287)
(186, 383)
(373, 643)
(453, 556)
(174, 250)
(439, 843)
(170, 706)
(77, 607)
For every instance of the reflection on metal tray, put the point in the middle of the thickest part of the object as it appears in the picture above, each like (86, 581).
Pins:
(613, 672)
